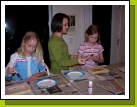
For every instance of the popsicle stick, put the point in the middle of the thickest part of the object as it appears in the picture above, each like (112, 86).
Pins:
(89, 56)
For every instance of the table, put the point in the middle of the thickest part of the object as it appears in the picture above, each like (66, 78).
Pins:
(112, 83)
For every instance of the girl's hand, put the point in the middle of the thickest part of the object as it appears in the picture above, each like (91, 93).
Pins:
(89, 57)
(73, 56)
(96, 58)
(11, 70)
(33, 77)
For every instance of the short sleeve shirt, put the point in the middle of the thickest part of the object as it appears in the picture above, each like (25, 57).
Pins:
(86, 50)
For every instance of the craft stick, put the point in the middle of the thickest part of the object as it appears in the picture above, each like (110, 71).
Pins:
(89, 56)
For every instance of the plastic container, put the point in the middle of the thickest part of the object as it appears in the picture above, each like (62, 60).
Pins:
(90, 84)
(90, 87)
(90, 91)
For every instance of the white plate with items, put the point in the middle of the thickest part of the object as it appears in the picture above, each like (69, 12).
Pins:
(74, 74)
(46, 83)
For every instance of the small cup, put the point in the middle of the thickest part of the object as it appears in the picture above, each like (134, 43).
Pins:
(90, 84)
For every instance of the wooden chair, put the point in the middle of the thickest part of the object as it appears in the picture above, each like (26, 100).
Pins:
(48, 72)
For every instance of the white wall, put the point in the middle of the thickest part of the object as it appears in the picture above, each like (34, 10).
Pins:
(83, 16)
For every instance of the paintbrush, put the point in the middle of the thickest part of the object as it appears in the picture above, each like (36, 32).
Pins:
(18, 75)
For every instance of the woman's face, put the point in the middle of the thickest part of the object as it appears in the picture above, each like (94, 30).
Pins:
(30, 46)
(65, 26)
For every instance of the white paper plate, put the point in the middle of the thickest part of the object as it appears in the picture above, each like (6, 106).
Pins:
(46, 83)
(74, 74)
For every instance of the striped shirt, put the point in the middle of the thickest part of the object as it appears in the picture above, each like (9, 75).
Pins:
(86, 50)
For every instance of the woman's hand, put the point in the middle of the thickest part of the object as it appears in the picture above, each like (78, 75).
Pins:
(81, 61)
(11, 70)
(73, 56)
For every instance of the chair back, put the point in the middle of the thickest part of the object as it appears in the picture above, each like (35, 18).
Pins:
(48, 72)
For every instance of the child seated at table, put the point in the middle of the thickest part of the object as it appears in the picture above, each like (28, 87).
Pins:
(28, 60)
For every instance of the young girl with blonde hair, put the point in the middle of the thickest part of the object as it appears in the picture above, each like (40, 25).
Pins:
(28, 60)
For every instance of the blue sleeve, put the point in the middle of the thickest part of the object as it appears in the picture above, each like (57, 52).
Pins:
(42, 66)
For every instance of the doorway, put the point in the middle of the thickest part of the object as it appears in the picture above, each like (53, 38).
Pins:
(102, 18)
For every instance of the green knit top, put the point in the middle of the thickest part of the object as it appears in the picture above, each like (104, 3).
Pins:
(59, 55)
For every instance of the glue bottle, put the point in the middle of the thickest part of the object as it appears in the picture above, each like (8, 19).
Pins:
(90, 87)
(90, 84)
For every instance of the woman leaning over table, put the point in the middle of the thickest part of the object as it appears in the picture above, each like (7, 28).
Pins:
(58, 49)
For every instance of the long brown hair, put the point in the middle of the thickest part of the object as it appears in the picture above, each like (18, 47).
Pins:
(92, 29)
(38, 51)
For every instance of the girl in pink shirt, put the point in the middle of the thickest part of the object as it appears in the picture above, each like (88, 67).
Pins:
(92, 48)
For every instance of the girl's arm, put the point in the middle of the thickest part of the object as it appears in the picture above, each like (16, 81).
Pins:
(10, 66)
(79, 55)
(99, 59)
(34, 77)
(42, 66)
(40, 74)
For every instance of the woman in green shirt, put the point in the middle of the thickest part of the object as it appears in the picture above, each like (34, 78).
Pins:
(58, 49)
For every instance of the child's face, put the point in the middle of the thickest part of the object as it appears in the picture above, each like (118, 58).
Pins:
(30, 46)
(65, 26)
(93, 38)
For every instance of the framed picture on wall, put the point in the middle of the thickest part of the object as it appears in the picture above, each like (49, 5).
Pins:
(72, 28)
